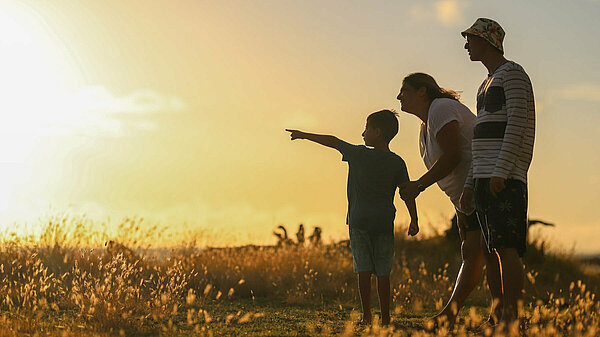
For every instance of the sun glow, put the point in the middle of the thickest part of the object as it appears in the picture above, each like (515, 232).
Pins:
(36, 73)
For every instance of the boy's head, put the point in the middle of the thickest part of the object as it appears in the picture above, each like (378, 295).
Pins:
(381, 126)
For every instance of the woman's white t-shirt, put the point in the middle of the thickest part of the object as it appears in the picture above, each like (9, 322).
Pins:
(441, 112)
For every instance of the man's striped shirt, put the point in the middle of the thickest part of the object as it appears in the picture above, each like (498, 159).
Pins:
(503, 137)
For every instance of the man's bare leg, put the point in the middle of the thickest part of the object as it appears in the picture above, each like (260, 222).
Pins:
(364, 289)
(512, 283)
(383, 290)
(494, 281)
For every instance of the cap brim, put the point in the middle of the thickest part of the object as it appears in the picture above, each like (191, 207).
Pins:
(467, 32)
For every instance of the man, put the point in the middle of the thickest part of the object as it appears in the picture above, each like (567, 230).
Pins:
(502, 150)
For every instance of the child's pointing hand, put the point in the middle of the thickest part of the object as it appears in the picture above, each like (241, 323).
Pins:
(295, 134)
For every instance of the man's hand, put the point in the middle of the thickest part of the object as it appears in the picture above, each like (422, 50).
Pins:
(295, 134)
(467, 201)
(413, 228)
(409, 190)
(496, 186)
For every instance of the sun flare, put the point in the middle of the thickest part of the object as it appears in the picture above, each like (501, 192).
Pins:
(36, 74)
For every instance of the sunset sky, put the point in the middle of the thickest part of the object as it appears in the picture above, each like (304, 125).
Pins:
(176, 110)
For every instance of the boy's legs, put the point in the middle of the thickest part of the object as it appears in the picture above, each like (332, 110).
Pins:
(373, 252)
(383, 290)
(364, 289)
(362, 257)
(469, 273)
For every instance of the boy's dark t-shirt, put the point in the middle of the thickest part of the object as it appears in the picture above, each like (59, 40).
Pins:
(373, 176)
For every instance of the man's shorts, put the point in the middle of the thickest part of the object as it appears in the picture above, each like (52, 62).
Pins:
(372, 251)
(503, 219)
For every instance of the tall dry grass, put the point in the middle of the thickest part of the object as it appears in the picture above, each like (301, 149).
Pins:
(124, 287)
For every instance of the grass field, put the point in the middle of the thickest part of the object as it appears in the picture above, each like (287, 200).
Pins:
(58, 285)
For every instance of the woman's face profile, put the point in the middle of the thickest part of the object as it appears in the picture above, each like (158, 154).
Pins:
(407, 97)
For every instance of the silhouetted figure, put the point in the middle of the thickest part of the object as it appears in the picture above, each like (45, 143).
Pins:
(374, 174)
(315, 237)
(282, 238)
(300, 235)
(502, 151)
(445, 146)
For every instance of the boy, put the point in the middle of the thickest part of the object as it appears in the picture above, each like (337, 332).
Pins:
(373, 175)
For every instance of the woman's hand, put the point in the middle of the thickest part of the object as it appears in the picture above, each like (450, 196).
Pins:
(467, 201)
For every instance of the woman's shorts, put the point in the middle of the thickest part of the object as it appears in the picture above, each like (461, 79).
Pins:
(471, 222)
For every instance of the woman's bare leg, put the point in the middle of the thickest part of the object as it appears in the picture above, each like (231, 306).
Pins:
(469, 274)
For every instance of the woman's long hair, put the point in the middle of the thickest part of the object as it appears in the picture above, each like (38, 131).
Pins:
(433, 90)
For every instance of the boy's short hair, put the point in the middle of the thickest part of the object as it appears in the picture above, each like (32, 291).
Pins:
(386, 121)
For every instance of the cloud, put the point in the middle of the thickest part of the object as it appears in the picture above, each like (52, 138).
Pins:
(90, 111)
(142, 101)
(586, 92)
(449, 12)
(445, 12)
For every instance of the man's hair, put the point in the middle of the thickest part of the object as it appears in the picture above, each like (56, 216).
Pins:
(433, 90)
(386, 121)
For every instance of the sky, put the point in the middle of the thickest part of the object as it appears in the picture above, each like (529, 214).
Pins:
(175, 110)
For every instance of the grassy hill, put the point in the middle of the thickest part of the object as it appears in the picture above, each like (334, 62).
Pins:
(57, 288)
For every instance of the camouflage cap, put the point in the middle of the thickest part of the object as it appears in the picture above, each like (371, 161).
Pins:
(489, 30)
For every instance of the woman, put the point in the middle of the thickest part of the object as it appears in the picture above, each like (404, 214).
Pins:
(445, 144)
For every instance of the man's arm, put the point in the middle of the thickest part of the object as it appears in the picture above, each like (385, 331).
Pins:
(449, 139)
(325, 140)
(515, 86)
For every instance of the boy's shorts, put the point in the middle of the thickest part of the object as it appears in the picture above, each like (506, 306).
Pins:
(503, 219)
(372, 251)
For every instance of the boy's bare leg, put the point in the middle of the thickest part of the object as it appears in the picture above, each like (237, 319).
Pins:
(494, 280)
(469, 274)
(512, 283)
(364, 289)
(383, 290)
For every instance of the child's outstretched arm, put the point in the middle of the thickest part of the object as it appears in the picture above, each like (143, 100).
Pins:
(325, 140)
(413, 228)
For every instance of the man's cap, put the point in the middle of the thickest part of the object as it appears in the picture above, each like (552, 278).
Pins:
(489, 30)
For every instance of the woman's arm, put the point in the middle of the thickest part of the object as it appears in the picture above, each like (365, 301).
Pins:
(449, 140)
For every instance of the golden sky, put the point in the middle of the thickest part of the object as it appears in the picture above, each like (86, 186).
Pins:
(175, 110)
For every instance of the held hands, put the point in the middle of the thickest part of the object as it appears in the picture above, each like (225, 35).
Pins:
(409, 190)
(295, 134)
(413, 228)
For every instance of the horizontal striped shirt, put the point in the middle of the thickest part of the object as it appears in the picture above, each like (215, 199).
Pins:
(503, 137)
